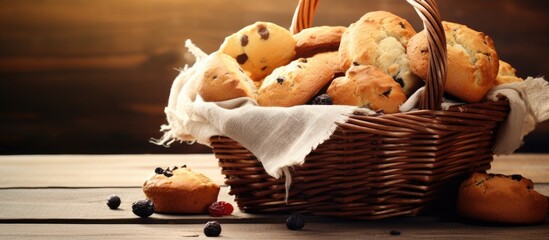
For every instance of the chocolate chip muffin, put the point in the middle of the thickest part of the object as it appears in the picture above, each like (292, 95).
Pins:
(260, 48)
(472, 61)
(180, 190)
(319, 39)
(223, 79)
(502, 199)
(367, 86)
(297, 82)
(379, 39)
(506, 74)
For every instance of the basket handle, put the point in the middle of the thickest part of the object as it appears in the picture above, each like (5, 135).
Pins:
(432, 24)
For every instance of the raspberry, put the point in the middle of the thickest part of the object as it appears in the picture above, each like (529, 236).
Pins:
(216, 209)
(221, 208)
(212, 229)
(228, 208)
(295, 222)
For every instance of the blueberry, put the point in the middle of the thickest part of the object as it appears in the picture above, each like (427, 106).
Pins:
(212, 229)
(323, 99)
(143, 208)
(295, 222)
(159, 170)
(113, 201)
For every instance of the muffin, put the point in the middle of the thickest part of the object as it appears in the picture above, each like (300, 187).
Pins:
(180, 190)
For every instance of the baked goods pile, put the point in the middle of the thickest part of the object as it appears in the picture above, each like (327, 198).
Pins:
(377, 62)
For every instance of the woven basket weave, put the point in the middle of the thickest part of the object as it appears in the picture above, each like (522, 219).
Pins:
(375, 167)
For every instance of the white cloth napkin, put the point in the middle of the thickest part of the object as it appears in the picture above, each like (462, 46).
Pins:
(283, 137)
(529, 102)
(278, 137)
(529, 105)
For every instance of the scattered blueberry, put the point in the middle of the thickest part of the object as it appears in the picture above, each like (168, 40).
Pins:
(395, 232)
(323, 99)
(113, 201)
(174, 168)
(212, 229)
(143, 208)
(295, 222)
(159, 170)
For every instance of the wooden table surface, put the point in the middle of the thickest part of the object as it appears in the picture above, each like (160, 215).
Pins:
(63, 197)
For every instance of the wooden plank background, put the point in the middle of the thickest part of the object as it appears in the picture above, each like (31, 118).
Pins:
(93, 76)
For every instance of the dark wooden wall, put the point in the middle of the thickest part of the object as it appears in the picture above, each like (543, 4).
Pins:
(93, 76)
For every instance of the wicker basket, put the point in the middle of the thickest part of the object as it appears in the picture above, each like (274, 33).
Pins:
(375, 167)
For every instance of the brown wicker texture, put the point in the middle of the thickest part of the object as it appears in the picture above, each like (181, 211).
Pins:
(375, 167)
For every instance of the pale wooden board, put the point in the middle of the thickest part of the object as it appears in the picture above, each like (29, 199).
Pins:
(533, 166)
(131, 170)
(62, 205)
(341, 230)
(96, 170)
